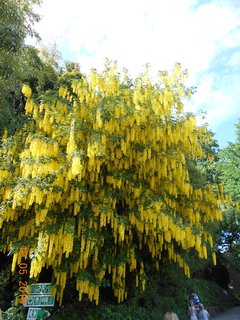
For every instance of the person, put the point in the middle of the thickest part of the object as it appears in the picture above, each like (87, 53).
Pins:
(170, 316)
(192, 312)
(203, 313)
(193, 297)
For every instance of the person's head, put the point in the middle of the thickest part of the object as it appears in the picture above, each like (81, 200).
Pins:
(170, 316)
(191, 291)
(201, 306)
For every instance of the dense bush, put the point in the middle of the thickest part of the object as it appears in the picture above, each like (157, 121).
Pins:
(166, 290)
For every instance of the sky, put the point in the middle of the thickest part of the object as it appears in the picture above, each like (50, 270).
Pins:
(204, 36)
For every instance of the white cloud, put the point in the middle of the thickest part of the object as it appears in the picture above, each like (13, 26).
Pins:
(136, 32)
(156, 31)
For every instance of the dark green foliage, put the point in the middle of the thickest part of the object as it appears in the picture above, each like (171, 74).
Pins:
(236, 254)
(203, 171)
(229, 171)
(17, 20)
(230, 233)
(31, 69)
(12, 29)
(14, 313)
(166, 290)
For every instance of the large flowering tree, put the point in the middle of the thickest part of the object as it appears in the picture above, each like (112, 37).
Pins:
(98, 174)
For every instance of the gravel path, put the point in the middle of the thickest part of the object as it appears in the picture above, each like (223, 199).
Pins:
(232, 314)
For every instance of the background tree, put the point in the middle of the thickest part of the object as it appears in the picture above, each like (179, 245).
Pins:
(229, 172)
(17, 20)
(229, 167)
(96, 185)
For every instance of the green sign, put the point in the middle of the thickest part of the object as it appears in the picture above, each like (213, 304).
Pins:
(40, 301)
(41, 288)
(37, 313)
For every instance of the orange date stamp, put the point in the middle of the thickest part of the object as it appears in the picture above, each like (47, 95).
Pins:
(23, 272)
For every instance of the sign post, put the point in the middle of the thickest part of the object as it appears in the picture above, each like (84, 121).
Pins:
(40, 296)
(37, 300)
(37, 313)
(41, 288)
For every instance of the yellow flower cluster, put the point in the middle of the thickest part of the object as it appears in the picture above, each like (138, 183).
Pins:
(4, 175)
(61, 279)
(27, 91)
(85, 286)
(104, 176)
(38, 261)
